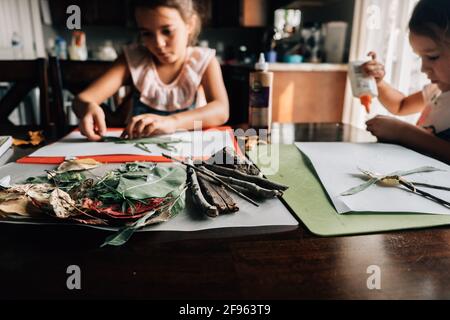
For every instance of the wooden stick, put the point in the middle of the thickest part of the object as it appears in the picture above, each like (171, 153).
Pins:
(229, 159)
(262, 182)
(425, 194)
(243, 196)
(219, 192)
(250, 186)
(209, 209)
(426, 185)
(208, 189)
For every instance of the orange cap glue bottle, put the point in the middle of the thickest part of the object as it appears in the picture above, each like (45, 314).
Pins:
(366, 101)
(364, 87)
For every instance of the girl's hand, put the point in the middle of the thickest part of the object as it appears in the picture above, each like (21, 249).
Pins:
(374, 68)
(388, 129)
(146, 125)
(92, 119)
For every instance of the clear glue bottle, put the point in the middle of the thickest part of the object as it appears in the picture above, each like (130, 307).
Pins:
(364, 87)
(260, 96)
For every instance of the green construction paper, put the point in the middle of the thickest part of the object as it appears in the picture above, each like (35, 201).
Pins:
(310, 202)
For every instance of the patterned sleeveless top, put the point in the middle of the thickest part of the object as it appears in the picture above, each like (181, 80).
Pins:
(436, 115)
(176, 96)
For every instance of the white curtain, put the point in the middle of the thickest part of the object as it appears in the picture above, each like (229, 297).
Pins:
(21, 17)
(382, 26)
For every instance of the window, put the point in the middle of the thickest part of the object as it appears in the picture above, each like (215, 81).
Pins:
(382, 26)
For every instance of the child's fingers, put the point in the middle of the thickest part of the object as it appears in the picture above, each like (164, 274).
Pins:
(87, 129)
(373, 66)
(373, 55)
(371, 122)
(141, 126)
(131, 125)
(137, 125)
(150, 129)
(100, 124)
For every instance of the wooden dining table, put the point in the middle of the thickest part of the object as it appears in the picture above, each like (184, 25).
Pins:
(35, 261)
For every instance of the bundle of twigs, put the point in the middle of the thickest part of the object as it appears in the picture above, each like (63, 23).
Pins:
(211, 182)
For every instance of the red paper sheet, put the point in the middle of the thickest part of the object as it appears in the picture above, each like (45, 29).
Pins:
(119, 158)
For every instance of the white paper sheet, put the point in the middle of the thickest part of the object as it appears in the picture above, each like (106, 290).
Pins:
(269, 213)
(337, 167)
(197, 144)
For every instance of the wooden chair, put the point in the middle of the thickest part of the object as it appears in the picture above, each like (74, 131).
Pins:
(25, 75)
(75, 76)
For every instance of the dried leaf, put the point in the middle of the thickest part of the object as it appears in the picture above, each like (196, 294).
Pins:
(36, 138)
(175, 208)
(78, 165)
(117, 211)
(391, 179)
(61, 203)
(21, 206)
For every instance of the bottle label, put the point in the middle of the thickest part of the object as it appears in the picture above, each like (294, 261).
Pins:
(259, 118)
(259, 95)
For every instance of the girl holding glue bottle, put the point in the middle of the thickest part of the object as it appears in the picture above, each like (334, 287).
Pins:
(430, 39)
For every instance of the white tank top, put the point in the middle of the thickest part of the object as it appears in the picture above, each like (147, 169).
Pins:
(436, 115)
(178, 95)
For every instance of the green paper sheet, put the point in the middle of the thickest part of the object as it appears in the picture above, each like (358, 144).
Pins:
(309, 200)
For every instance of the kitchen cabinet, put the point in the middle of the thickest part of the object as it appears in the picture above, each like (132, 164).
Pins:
(235, 13)
(301, 92)
(254, 13)
(310, 94)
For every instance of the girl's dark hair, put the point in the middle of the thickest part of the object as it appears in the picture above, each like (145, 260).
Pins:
(431, 18)
(186, 8)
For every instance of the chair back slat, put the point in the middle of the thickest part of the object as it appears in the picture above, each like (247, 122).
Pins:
(25, 75)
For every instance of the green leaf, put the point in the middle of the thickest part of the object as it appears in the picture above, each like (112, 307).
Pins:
(360, 188)
(142, 147)
(179, 204)
(414, 171)
(119, 238)
(175, 207)
(124, 234)
(149, 140)
(374, 178)
(37, 180)
(160, 182)
(167, 146)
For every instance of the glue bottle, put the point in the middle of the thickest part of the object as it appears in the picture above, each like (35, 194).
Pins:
(260, 96)
(364, 87)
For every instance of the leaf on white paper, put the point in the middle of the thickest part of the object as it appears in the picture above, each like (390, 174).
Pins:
(78, 165)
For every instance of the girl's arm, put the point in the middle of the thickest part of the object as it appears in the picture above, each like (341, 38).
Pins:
(393, 100)
(392, 130)
(397, 103)
(424, 142)
(87, 104)
(216, 111)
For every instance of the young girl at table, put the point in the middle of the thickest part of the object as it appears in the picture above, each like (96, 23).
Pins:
(169, 73)
(430, 38)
